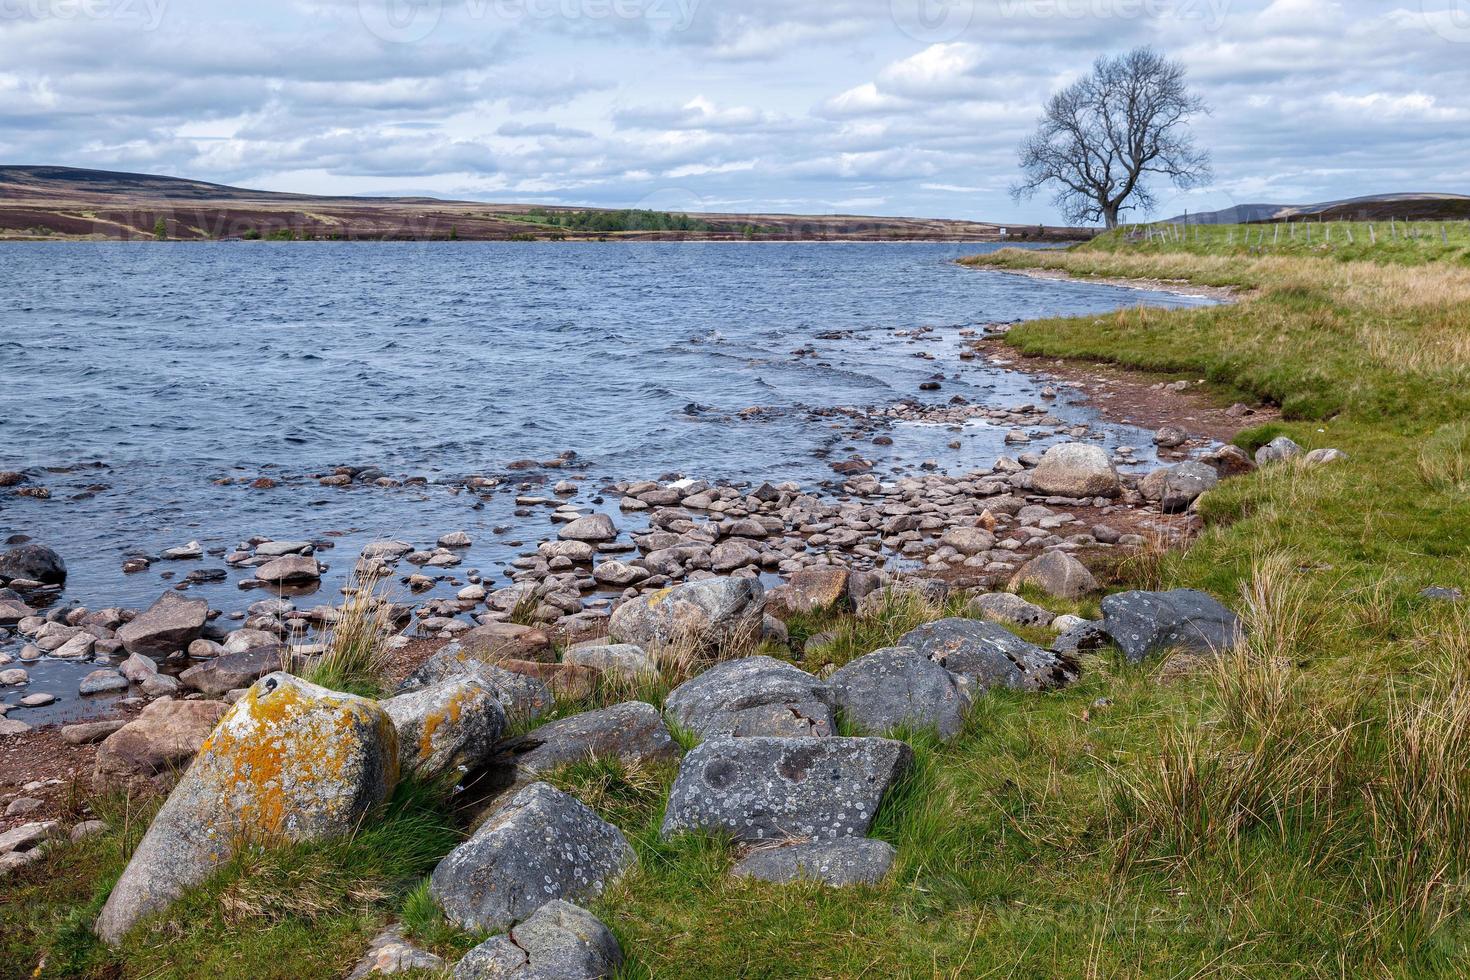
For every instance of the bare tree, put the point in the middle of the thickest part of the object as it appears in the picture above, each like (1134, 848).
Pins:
(1104, 137)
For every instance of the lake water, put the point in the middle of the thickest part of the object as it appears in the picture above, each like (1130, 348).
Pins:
(146, 385)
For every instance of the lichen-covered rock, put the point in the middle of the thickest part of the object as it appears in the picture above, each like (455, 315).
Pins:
(1278, 449)
(1007, 607)
(561, 941)
(1145, 623)
(1056, 573)
(540, 846)
(1076, 469)
(171, 623)
(633, 732)
(1184, 483)
(809, 590)
(618, 659)
(710, 615)
(898, 686)
(289, 761)
(232, 672)
(390, 954)
(987, 655)
(749, 697)
(849, 861)
(450, 725)
(763, 789)
(156, 746)
(523, 697)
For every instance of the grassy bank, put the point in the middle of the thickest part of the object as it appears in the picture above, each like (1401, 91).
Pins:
(1300, 808)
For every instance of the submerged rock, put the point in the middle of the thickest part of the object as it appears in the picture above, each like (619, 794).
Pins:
(290, 760)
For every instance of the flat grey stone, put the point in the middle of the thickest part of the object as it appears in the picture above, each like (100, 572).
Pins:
(987, 655)
(898, 686)
(1145, 623)
(849, 861)
(751, 696)
(561, 941)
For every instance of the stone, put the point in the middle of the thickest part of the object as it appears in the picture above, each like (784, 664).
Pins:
(776, 789)
(1056, 573)
(594, 528)
(29, 836)
(506, 641)
(153, 749)
(89, 732)
(848, 861)
(102, 681)
(14, 677)
(1145, 623)
(38, 700)
(711, 616)
(138, 668)
(232, 671)
(1322, 457)
(618, 659)
(445, 727)
(1007, 607)
(455, 539)
(899, 687)
(13, 611)
(633, 732)
(1080, 636)
(243, 641)
(542, 845)
(386, 550)
(23, 805)
(87, 829)
(560, 941)
(290, 570)
(170, 624)
(1076, 469)
(735, 553)
(968, 540)
(1183, 484)
(9, 726)
(35, 563)
(279, 549)
(1170, 437)
(289, 761)
(618, 573)
(523, 697)
(1441, 593)
(745, 697)
(987, 655)
(567, 681)
(1228, 461)
(390, 953)
(1278, 449)
(809, 590)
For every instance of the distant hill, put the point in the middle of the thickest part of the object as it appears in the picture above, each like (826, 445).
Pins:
(38, 202)
(1431, 206)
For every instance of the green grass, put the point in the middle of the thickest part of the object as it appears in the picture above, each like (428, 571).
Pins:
(1396, 242)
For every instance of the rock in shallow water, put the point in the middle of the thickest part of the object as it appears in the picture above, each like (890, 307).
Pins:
(171, 623)
(33, 562)
(1075, 469)
(290, 760)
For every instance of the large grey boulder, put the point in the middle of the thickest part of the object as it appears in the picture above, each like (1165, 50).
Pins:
(290, 570)
(170, 624)
(560, 941)
(1184, 483)
(448, 726)
(764, 789)
(1278, 449)
(849, 861)
(1076, 469)
(289, 761)
(595, 528)
(1056, 573)
(1145, 623)
(711, 615)
(232, 671)
(34, 563)
(633, 732)
(987, 655)
(898, 686)
(523, 697)
(540, 846)
(752, 696)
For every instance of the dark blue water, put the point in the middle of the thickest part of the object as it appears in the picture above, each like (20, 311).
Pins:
(154, 371)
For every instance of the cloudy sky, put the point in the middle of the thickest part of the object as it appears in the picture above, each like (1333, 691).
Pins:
(909, 107)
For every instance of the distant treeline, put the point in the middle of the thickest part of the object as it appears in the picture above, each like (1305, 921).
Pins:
(606, 221)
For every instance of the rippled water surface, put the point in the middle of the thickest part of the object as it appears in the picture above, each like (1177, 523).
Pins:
(141, 383)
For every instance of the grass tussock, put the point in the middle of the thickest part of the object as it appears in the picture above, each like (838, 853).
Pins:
(357, 653)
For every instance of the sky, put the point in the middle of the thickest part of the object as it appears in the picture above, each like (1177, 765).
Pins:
(892, 107)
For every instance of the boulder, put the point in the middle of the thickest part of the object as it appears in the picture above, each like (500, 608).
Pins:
(33, 563)
(102, 681)
(1228, 461)
(506, 641)
(542, 845)
(170, 624)
(243, 641)
(1183, 484)
(898, 686)
(289, 761)
(710, 615)
(290, 570)
(848, 861)
(567, 681)
(153, 749)
(809, 590)
(13, 611)
(279, 549)
(633, 732)
(968, 540)
(523, 697)
(1278, 449)
(775, 789)
(1056, 573)
(1145, 623)
(593, 529)
(617, 659)
(1084, 635)
(1076, 469)
(1321, 457)
(750, 697)
(1007, 607)
(232, 671)
(138, 668)
(987, 655)
(560, 941)
(445, 727)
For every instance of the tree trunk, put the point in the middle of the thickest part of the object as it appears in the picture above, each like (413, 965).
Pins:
(1110, 216)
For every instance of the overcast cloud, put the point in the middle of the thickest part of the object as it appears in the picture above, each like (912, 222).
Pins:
(883, 106)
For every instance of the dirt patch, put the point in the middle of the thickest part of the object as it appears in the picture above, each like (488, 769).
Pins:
(41, 756)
